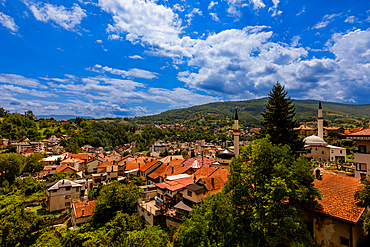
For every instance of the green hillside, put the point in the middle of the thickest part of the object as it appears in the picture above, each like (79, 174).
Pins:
(249, 113)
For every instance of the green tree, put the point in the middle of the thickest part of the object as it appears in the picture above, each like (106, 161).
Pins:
(16, 223)
(215, 217)
(34, 163)
(185, 153)
(29, 114)
(11, 165)
(151, 236)
(113, 198)
(363, 195)
(3, 112)
(267, 187)
(279, 119)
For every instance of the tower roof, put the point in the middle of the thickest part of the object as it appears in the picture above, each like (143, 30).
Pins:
(236, 114)
(320, 105)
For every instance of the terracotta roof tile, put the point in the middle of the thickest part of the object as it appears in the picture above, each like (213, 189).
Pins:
(303, 127)
(134, 164)
(338, 196)
(88, 208)
(148, 165)
(158, 171)
(176, 162)
(218, 182)
(363, 132)
(62, 168)
(177, 184)
(332, 128)
(81, 156)
(104, 164)
(204, 172)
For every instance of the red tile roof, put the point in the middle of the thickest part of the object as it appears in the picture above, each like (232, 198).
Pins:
(27, 151)
(158, 171)
(218, 182)
(148, 165)
(204, 172)
(201, 161)
(88, 208)
(106, 158)
(338, 196)
(62, 168)
(332, 128)
(126, 157)
(363, 132)
(81, 156)
(303, 127)
(104, 164)
(134, 164)
(177, 184)
(176, 162)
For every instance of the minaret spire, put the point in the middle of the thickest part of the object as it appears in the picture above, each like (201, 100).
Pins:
(320, 122)
(236, 133)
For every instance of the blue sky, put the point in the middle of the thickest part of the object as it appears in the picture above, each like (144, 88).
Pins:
(104, 58)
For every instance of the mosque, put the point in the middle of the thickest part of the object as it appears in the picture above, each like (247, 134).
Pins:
(318, 149)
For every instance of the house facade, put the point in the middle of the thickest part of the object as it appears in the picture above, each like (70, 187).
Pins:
(81, 212)
(60, 194)
(362, 157)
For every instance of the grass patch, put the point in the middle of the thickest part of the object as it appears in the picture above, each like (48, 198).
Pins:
(35, 197)
(39, 211)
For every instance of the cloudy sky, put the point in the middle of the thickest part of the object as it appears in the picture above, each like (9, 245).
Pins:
(103, 58)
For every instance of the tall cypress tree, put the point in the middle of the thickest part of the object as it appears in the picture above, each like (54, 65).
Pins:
(279, 119)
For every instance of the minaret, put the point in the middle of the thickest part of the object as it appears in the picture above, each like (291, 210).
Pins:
(320, 122)
(236, 133)
(133, 148)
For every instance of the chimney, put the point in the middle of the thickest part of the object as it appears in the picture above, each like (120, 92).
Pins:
(195, 179)
(83, 212)
(213, 182)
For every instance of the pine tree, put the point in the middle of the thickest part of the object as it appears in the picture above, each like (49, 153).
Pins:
(279, 119)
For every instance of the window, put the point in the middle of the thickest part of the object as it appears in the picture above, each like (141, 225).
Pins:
(322, 152)
(190, 193)
(78, 189)
(67, 197)
(332, 151)
(67, 204)
(344, 241)
(68, 188)
(316, 149)
(361, 167)
(148, 214)
(142, 210)
(362, 149)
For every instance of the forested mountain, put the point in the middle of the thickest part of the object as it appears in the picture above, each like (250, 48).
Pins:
(249, 113)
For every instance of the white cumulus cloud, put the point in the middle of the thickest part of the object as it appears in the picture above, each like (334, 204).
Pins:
(8, 22)
(67, 19)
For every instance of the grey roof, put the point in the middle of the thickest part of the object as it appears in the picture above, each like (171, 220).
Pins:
(181, 205)
(63, 183)
(226, 153)
(198, 189)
